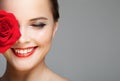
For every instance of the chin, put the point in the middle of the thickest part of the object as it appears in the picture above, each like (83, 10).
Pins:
(25, 63)
(22, 66)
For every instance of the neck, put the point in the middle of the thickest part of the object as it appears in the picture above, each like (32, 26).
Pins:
(34, 74)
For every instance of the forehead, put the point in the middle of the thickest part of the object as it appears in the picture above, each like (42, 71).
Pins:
(26, 8)
(23, 3)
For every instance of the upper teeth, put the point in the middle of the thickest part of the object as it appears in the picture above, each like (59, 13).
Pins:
(23, 51)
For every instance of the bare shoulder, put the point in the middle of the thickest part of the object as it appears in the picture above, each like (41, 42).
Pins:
(57, 77)
(64, 79)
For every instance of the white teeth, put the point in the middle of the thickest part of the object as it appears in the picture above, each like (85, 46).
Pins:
(25, 51)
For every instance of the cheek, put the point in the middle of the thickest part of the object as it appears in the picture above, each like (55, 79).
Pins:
(43, 36)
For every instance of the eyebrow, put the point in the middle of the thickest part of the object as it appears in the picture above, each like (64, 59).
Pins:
(39, 18)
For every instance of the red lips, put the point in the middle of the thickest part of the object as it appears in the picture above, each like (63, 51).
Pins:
(24, 52)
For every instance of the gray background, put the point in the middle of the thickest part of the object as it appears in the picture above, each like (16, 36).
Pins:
(87, 44)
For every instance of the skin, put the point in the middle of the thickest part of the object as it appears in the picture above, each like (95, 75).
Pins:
(32, 68)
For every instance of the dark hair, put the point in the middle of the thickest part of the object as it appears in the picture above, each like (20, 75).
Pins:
(55, 9)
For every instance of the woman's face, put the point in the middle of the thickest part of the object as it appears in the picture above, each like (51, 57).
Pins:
(37, 29)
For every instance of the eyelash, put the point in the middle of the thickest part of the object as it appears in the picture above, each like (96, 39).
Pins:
(41, 25)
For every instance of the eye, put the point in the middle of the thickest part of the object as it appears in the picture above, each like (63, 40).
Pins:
(41, 25)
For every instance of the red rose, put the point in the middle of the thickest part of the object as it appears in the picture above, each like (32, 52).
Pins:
(9, 30)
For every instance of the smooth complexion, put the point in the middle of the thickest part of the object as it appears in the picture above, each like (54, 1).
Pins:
(25, 59)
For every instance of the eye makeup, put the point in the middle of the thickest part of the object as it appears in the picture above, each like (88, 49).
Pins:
(39, 24)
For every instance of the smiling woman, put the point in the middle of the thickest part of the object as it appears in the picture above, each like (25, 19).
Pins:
(25, 58)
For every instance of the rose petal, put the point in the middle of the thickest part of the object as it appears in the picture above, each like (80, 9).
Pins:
(9, 30)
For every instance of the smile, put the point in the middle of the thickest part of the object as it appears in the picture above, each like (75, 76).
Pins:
(24, 52)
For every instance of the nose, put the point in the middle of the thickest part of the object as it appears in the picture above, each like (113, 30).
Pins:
(24, 36)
